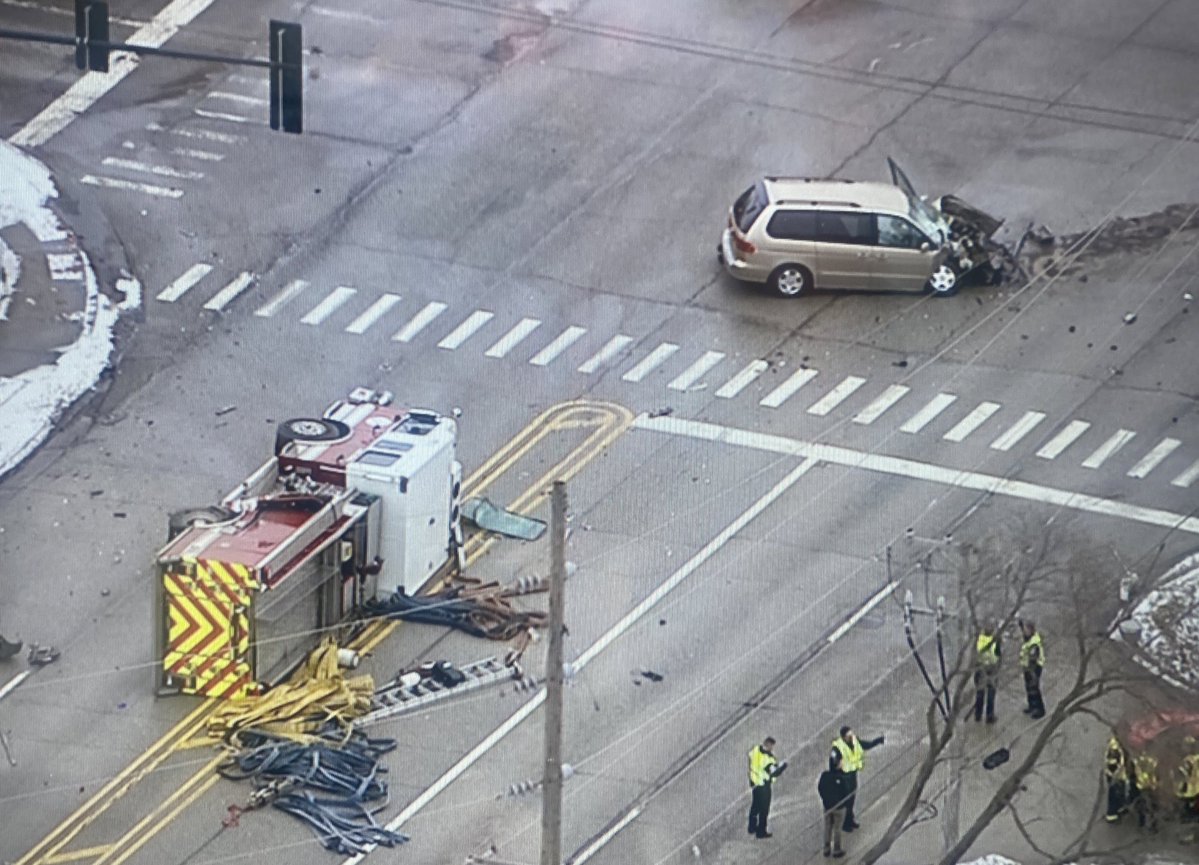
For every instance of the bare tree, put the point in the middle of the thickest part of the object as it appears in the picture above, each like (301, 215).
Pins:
(1079, 595)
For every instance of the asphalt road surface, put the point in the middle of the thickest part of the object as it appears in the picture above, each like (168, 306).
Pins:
(509, 207)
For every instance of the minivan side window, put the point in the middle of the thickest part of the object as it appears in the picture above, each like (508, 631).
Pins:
(749, 206)
(843, 227)
(895, 231)
(792, 225)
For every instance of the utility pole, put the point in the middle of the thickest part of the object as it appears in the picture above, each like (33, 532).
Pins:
(551, 809)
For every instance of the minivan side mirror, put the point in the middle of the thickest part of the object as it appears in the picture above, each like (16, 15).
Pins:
(925, 246)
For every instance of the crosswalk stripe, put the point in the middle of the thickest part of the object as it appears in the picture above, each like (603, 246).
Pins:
(203, 155)
(227, 294)
(696, 371)
(131, 186)
(741, 380)
(837, 395)
(1150, 461)
(513, 338)
(220, 115)
(202, 134)
(926, 415)
(977, 417)
(1008, 439)
(276, 303)
(893, 394)
(146, 168)
(236, 97)
(561, 343)
(1188, 476)
(466, 329)
(1069, 434)
(180, 286)
(373, 313)
(611, 348)
(787, 389)
(650, 362)
(333, 301)
(419, 321)
(1102, 453)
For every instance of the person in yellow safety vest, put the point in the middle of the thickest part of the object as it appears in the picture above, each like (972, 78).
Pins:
(763, 769)
(1032, 661)
(852, 755)
(1115, 772)
(1145, 774)
(986, 672)
(1188, 784)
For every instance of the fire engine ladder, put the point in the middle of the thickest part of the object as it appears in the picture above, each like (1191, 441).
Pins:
(395, 699)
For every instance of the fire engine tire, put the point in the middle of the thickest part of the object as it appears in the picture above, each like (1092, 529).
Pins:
(180, 521)
(309, 429)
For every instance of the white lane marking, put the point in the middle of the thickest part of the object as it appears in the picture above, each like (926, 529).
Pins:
(977, 417)
(862, 611)
(926, 415)
(373, 313)
(204, 155)
(220, 115)
(180, 286)
(40, 6)
(1018, 430)
(332, 302)
(611, 348)
(696, 371)
(256, 81)
(650, 362)
(83, 93)
(65, 266)
(11, 684)
(561, 343)
(787, 389)
(596, 845)
(419, 321)
(513, 337)
(1105, 451)
(466, 329)
(610, 636)
(1150, 461)
(202, 134)
(146, 168)
(1069, 434)
(837, 395)
(893, 394)
(227, 294)
(992, 484)
(742, 380)
(130, 186)
(343, 14)
(236, 97)
(1188, 476)
(282, 299)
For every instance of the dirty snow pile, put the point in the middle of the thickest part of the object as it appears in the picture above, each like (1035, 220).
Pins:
(1165, 625)
(32, 401)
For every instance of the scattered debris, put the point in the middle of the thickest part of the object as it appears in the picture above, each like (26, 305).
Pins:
(1130, 317)
(662, 412)
(652, 676)
(902, 364)
(480, 611)
(487, 516)
(996, 758)
(7, 751)
(95, 493)
(40, 656)
(225, 410)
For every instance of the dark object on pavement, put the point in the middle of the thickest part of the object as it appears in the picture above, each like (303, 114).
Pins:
(477, 615)
(9, 650)
(40, 656)
(652, 676)
(487, 516)
(996, 758)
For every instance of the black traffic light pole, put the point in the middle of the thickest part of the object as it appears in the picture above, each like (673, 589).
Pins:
(286, 63)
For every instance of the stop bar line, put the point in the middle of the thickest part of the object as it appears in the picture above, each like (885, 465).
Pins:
(610, 636)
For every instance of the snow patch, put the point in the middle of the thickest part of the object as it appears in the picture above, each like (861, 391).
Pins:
(1165, 625)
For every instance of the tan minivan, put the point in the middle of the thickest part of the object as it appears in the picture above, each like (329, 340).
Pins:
(797, 233)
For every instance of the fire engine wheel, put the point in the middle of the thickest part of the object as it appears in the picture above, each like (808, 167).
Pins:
(309, 429)
(179, 521)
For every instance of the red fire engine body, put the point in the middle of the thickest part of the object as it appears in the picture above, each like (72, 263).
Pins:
(358, 503)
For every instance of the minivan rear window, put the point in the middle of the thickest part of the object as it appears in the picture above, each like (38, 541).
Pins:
(792, 225)
(749, 206)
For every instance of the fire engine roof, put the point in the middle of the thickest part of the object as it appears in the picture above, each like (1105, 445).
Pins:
(366, 421)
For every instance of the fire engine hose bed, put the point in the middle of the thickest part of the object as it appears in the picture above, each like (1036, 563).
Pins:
(477, 617)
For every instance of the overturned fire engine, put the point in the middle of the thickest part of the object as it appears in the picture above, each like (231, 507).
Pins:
(354, 505)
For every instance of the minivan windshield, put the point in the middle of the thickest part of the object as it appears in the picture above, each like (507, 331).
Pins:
(922, 213)
(749, 206)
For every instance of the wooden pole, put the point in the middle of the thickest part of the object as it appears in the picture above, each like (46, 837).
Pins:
(551, 809)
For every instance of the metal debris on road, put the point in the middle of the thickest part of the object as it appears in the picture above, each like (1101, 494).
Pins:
(225, 410)
(40, 656)
(487, 516)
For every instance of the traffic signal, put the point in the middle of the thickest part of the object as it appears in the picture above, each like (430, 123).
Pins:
(287, 77)
(91, 26)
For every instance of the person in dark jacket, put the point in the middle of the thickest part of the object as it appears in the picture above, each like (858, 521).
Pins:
(852, 754)
(833, 793)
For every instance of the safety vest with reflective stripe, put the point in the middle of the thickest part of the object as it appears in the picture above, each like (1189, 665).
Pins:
(1146, 772)
(1188, 787)
(853, 757)
(1114, 764)
(759, 766)
(988, 650)
(1026, 651)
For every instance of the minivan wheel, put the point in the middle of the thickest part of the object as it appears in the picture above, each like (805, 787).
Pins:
(790, 280)
(944, 281)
